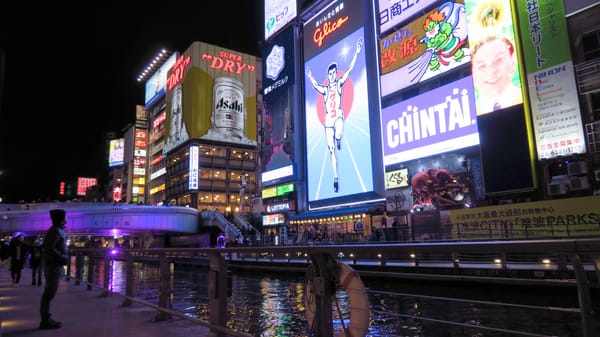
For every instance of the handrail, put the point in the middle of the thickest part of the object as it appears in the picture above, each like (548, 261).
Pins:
(174, 313)
(574, 251)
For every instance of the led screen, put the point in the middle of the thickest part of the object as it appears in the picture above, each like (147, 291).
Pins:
(338, 128)
(437, 121)
(116, 152)
(211, 94)
(278, 93)
(494, 60)
(428, 46)
(155, 86)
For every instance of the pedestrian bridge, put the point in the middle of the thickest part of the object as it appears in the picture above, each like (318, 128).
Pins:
(92, 218)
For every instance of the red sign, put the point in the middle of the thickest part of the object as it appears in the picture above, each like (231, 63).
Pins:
(141, 143)
(328, 29)
(227, 61)
(177, 71)
(117, 194)
(140, 134)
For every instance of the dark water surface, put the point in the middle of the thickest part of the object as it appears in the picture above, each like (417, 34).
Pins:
(272, 304)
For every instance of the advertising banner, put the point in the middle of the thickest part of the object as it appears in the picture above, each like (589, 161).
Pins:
(551, 80)
(277, 14)
(116, 152)
(338, 139)
(278, 80)
(395, 12)
(438, 121)
(430, 45)
(494, 60)
(569, 217)
(208, 78)
(155, 85)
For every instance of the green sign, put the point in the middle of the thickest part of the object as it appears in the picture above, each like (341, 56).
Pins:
(544, 34)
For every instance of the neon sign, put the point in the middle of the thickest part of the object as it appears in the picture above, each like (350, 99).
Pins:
(177, 71)
(227, 61)
(328, 29)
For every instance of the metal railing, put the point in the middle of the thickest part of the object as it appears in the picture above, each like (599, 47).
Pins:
(578, 261)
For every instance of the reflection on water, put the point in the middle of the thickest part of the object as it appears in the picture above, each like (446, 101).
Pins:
(273, 304)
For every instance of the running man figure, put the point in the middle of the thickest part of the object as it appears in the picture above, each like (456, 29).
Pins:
(334, 114)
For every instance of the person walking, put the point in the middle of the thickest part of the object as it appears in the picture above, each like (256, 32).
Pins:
(18, 255)
(56, 255)
(35, 261)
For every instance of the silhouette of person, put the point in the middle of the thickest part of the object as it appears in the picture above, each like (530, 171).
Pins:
(494, 65)
(35, 261)
(334, 113)
(18, 254)
(56, 255)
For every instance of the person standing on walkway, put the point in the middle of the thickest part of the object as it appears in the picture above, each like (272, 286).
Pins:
(18, 255)
(56, 255)
(35, 261)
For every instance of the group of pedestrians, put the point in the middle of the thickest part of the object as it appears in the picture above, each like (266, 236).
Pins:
(50, 254)
(17, 252)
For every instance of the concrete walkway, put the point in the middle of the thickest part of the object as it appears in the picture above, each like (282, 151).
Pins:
(82, 313)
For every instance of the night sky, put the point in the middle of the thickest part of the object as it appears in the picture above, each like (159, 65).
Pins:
(67, 79)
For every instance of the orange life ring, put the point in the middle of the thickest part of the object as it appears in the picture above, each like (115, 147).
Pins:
(358, 300)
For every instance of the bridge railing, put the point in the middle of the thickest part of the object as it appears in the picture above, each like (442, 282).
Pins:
(577, 259)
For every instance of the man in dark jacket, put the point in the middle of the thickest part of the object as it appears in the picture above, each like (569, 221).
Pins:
(56, 255)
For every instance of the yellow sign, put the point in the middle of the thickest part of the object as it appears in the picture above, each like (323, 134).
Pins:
(569, 217)
(269, 192)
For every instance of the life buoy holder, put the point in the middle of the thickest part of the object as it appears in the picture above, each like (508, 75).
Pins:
(358, 300)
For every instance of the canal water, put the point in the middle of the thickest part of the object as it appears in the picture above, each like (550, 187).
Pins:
(272, 304)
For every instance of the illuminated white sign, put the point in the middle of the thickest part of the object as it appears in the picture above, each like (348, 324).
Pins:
(194, 159)
(158, 173)
(281, 172)
(394, 12)
(138, 171)
(277, 14)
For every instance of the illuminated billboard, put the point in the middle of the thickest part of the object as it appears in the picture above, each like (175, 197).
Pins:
(277, 14)
(211, 94)
(155, 85)
(396, 178)
(428, 46)
(494, 60)
(116, 152)
(83, 184)
(278, 93)
(438, 121)
(340, 134)
(551, 80)
(394, 12)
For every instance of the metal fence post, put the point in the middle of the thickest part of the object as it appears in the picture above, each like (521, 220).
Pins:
(90, 272)
(217, 291)
(106, 282)
(78, 268)
(68, 275)
(585, 301)
(165, 296)
(128, 281)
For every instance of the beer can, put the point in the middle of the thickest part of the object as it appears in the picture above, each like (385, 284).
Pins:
(229, 114)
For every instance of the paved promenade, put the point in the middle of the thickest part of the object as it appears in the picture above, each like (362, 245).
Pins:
(82, 313)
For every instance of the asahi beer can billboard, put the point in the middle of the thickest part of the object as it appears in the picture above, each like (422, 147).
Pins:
(218, 95)
(229, 113)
